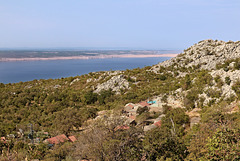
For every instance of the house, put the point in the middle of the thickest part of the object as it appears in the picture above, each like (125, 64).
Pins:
(144, 103)
(57, 139)
(3, 139)
(130, 121)
(60, 139)
(72, 138)
(158, 123)
(129, 107)
(122, 127)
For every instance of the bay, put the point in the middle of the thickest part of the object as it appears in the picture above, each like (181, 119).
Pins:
(13, 72)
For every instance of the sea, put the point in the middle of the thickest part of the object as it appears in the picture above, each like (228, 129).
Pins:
(22, 71)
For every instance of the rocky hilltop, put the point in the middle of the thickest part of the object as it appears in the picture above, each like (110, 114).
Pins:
(221, 61)
(206, 53)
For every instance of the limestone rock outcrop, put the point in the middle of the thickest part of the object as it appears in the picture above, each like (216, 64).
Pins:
(116, 83)
(206, 53)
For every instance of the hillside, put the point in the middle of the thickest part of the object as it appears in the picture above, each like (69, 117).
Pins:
(217, 60)
(186, 108)
(207, 54)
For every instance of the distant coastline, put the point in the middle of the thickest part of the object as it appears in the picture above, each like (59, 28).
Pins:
(89, 57)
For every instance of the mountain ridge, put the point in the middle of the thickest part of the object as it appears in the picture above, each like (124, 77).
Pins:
(206, 53)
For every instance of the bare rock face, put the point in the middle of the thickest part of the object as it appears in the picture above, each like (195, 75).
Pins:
(233, 76)
(75, 80)
(115, 83)
(206, 53)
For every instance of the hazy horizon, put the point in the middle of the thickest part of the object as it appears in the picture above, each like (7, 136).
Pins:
(85, 48)
(135, 24)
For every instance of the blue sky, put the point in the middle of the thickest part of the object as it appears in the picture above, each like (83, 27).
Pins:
(143, 24)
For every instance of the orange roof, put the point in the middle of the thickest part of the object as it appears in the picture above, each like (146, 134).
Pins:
(144, 103)
(72, 138)
(57, 139)
(123, 127)
(159, 123)
(3, 139)
(130, 105)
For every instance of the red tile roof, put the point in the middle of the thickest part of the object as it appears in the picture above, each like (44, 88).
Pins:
(3, 139)
(123, 127)
(72, 138)
(57, 139)
(159, 123)
(129, 105)
(144, 103)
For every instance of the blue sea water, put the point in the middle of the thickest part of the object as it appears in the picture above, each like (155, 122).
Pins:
(13, 72)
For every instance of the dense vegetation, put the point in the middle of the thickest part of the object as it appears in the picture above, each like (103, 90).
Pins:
(50, 99)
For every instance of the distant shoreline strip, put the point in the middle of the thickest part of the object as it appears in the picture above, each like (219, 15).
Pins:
(89, 57)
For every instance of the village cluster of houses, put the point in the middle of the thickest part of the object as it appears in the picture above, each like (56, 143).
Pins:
(130, 111)
(156, 105)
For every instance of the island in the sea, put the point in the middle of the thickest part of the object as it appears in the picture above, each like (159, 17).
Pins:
(32, 55)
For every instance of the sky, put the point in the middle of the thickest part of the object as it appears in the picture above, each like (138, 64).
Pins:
(133, 24)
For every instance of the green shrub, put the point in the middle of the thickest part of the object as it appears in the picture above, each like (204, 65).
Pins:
(214, 93)
(236, 87)
(190, 98)
(224, 145)
(227, 80)
(141, 110)
(90, 97)
(162, 77)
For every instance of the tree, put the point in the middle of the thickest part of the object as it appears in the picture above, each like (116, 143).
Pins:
(141, 110)
(90, 97)
(175, 120)
(159, 143)
(224, 145)
(104, 96)
(187, 82)
(65, 120)
(104, 141)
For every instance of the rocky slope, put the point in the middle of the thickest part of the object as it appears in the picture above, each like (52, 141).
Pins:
(116, 83)
(218, 58)
(206, 53)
